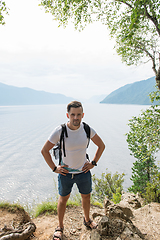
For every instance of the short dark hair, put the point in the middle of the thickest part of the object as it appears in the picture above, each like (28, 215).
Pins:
(74, 104)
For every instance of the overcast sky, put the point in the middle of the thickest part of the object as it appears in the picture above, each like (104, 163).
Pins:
(35, 53)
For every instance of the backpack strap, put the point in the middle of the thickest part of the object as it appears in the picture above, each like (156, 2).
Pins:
(63, 132)
(88, 131)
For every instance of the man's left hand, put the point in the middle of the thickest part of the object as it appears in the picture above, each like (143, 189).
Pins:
(87, 166)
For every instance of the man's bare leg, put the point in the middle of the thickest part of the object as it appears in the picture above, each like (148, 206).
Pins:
(86, 208)
(86, 205)
(61, 211)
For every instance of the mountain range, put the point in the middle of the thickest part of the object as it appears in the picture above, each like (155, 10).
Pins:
(134, 93)
(10, 95)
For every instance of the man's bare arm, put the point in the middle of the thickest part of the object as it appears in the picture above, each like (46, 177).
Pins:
(47, 156)
(101, 146)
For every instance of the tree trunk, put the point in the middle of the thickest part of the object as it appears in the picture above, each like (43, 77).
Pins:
(158, 78)
(158, 75)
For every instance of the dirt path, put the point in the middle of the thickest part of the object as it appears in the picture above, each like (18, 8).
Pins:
(73, 223)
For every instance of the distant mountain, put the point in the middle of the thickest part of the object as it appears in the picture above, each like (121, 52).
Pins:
(135, 93)
(95, 99)
(10, 95)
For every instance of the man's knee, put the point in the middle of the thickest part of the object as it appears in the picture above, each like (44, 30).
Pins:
(86, 196)
(63, 199)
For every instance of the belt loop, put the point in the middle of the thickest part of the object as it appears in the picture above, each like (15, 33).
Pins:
(72, 176)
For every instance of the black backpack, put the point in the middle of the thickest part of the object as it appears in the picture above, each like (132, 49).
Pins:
(57, 149)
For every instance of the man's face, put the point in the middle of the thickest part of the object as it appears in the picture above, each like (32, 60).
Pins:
(75, 116)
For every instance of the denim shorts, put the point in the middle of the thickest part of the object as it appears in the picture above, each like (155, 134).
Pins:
(83, 181)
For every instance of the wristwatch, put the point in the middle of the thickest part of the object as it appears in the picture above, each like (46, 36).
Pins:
(94, 163)
(54, 169)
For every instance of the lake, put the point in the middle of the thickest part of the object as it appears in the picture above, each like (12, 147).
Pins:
(24, 175)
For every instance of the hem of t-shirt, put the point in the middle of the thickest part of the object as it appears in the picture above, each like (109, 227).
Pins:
(93, 135)
(72, 170)
(75, 172)
(52, 142)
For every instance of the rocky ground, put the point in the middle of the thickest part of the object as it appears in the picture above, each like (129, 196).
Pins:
(73, 224)
(146, 219)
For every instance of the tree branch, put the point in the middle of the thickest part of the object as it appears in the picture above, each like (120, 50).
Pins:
(142, 47)
(153, 19)
(129, 5)
(153, 60)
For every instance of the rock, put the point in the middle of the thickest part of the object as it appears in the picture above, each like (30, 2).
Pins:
(95, 235)
(95, 214)
(116, 210)
(110, 227)
(115, 224)
(126, 211)
(127, 234)
(103, 226)
(86, 235)
(130, 200)
(117, 228)
(119, 212)
(107, 203)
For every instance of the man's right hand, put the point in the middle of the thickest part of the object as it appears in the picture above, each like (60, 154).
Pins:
(61, 169)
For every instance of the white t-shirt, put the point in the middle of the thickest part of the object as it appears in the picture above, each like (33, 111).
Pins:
(75, 146)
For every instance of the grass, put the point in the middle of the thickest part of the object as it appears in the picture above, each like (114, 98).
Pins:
(46, 207)
(72, 203)
(50, 207)
(98, 204)
(11, 207)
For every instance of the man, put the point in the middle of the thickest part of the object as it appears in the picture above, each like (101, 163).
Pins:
(74, 168)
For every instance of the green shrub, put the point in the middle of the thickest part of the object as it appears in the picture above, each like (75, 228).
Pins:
(109, 186)
(117, 196)
(152, 191)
